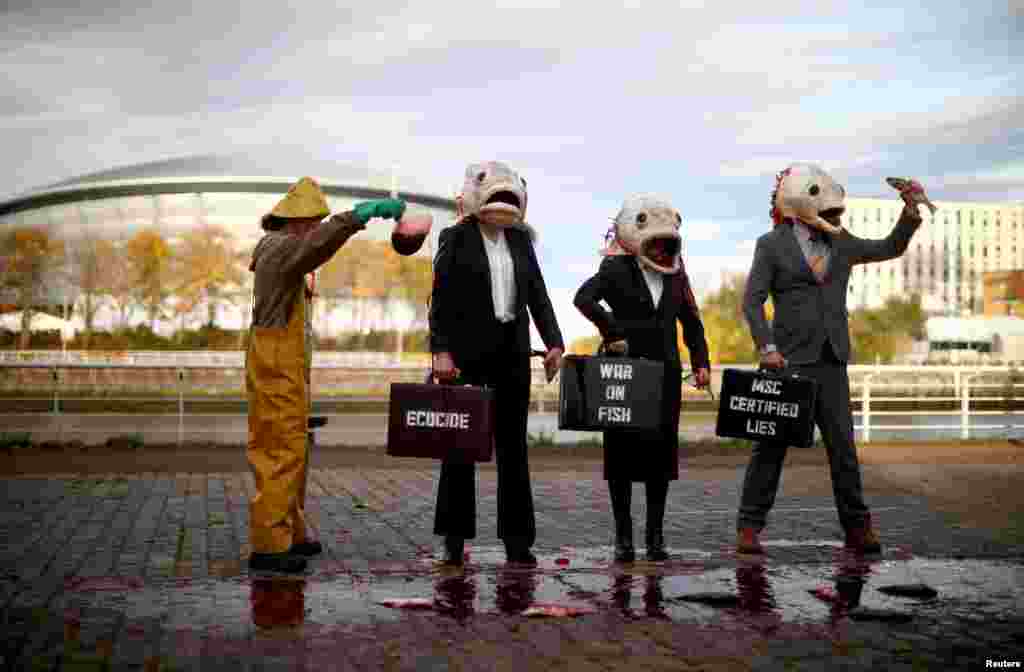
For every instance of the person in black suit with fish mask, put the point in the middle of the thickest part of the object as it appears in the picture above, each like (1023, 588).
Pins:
(486, 275)
(644, 283)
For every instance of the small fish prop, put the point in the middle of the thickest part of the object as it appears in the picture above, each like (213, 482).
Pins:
(911, 192)
(557, 610)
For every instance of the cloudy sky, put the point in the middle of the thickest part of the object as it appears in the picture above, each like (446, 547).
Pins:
(589, 101)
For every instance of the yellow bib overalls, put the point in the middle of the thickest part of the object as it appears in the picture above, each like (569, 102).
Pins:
(277, 385)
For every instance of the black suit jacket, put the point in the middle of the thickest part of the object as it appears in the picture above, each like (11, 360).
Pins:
(650, 331)
(806, 312)
(462, 307)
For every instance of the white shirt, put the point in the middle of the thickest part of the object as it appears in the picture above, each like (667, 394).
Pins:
(503, 282)
(655, 283)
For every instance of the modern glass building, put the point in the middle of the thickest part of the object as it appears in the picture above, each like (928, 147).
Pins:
(947, 259)
(179, 195)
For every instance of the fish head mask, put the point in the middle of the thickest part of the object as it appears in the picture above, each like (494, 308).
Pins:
(495, 193)
(647, 227)
(804, 191)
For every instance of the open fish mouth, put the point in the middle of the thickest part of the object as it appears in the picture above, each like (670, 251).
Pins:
(505, 197)
(832, 213)
(661, 249)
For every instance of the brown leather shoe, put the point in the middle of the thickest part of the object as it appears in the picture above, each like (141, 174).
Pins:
(747, 541)
(863, 539)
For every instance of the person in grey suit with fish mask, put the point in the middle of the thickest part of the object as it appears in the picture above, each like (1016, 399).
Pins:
(804, 264)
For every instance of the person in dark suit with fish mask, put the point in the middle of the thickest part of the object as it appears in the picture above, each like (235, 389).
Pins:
(804, 264)
(643, 281)
(486, 275)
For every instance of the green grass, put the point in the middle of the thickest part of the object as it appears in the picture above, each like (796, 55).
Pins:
(11, 440)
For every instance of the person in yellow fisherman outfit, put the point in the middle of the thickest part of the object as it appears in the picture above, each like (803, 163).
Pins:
(278, 361)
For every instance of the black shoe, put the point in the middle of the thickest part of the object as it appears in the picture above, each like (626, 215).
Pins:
(454, 551)
(520, 556)
(307, 548)
(624, 553)
(277, 562)
(656, 547)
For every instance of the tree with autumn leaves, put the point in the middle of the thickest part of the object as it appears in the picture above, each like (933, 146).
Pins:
(31, 261)
(368, 271)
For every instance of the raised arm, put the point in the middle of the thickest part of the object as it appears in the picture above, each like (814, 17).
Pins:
(302, 255)
(307, 253)
(868, 250)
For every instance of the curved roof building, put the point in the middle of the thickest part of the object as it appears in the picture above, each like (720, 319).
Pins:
(232, 191)
(228, 191)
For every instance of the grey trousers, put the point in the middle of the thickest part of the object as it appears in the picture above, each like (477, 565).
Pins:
(833, 416)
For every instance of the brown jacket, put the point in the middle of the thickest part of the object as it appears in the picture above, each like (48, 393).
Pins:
(281, 261)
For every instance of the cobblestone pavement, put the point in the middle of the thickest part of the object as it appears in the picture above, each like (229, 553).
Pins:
(148, 572)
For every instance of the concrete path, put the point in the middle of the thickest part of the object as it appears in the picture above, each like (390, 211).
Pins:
(148, 572)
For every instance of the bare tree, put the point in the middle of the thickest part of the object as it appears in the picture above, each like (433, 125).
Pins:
(94, 271)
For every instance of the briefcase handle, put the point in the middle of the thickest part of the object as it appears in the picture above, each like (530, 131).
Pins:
(430, 373)
(778, 372)
(602, 350)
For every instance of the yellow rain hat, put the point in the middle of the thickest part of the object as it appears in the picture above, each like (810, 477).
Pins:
(304, 199)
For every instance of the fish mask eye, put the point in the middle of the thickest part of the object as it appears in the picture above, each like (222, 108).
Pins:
(679, 220)
(481, 176)
(523, 180)
(641, 220)
(814, 190)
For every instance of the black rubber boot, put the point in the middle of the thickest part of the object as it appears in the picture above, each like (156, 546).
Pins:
(454, 550)
(621, 493)
(277, 562)
(657, 493)
(519, 553)
(307, 548)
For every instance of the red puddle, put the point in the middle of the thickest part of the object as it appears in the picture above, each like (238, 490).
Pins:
(557, 610)
(562, 561)
(825, 594)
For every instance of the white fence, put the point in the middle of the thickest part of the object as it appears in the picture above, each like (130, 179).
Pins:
(963, 391)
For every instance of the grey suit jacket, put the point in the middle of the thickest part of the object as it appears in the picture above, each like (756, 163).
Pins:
(806, 312)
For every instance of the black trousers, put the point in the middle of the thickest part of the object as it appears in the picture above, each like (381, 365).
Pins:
(508, 374)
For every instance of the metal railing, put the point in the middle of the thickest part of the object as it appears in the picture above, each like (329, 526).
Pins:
(966, 389)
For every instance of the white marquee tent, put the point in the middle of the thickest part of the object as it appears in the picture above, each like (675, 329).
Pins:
(40, 322)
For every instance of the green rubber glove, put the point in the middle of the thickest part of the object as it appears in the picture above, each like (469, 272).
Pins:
(387, 208)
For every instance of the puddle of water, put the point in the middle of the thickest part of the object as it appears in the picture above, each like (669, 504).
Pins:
(752, 593)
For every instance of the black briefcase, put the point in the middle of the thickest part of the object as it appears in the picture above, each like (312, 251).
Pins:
(608, 392)
(442, 422)
(767, 406)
